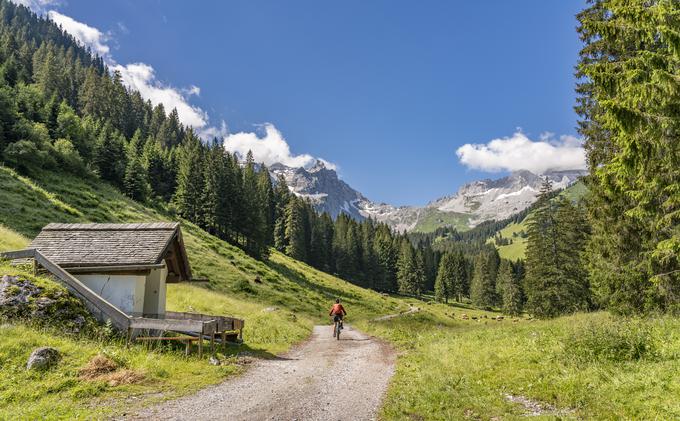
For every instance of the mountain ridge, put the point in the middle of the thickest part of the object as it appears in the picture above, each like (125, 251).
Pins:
(473, 203)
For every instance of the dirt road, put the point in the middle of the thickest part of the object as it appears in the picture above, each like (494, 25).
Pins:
(323, 379)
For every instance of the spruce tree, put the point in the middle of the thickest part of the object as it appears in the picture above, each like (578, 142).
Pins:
(190, 181)
(509, 286)
(445, 281)
(628, 95)
(267, 203)
(109, 155)
(387, 254)
(135, 183)
(556, 281)
(409, 270)
(281, 197)
(482, 289)
(295, 230)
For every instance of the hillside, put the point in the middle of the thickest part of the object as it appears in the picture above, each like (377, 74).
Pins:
(478, 360)
(517, 249)
(279, 311)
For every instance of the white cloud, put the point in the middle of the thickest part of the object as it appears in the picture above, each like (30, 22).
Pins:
(87, 35)
(142, 77)
(518, 152)
(210, 132)
(138, 76)
(270, 149)
(193, 90)
(39, 6)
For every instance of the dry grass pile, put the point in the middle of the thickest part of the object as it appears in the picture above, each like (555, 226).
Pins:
(102, 368)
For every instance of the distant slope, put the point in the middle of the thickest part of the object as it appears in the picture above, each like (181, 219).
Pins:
(517, 249)
(31, 203)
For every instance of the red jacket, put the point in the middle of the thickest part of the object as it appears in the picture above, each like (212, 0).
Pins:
(337, 309)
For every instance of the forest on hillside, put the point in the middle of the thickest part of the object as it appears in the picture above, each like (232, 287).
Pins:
(63, 109)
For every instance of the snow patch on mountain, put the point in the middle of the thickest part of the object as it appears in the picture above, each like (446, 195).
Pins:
(477, 201)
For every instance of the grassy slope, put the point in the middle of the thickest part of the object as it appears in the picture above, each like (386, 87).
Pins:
(279, 311)
(518, 247)
(449, 368)
(430, 219)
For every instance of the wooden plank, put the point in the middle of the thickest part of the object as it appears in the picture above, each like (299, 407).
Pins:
(117, 268)
(166, 338)
(18, 254)
(209, 327)
(166, 324)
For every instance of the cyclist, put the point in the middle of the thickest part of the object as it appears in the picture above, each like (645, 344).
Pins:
(337, 312)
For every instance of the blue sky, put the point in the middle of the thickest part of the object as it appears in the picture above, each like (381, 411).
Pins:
(387, 91)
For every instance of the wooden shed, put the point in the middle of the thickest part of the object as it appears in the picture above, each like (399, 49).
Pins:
(128, 265)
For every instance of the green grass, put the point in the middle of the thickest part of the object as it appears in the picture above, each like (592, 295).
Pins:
(430, 219)
(456, 369)
(592, 366)
(279, 311)
(59, 393)
(517, 249)
(10, 240)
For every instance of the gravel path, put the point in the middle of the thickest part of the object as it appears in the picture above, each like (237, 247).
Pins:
(411, 310)
(323, 379)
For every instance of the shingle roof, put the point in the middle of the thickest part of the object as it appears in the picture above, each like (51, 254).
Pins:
(72, 245)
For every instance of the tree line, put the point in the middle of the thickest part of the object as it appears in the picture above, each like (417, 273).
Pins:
(62, 109)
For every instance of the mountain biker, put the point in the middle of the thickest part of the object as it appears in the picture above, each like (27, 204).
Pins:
(337, 312)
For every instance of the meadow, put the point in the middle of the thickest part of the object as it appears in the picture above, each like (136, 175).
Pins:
(593, 366)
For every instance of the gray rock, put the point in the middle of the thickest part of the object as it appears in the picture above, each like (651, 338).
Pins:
(214, 361)
(42, 358)
(15, 291)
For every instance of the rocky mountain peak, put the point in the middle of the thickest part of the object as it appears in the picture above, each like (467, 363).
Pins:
(474, 202)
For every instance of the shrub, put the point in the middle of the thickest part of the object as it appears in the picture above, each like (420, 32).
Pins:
(68, 156)
(617, 341)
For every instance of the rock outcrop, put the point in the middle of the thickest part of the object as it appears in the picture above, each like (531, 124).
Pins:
(50, 305)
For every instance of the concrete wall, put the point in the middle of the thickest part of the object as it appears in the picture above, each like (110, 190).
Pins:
(155, 292)
(123, 291)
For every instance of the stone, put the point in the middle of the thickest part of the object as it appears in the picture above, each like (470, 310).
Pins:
(214, 361)
(42, 358)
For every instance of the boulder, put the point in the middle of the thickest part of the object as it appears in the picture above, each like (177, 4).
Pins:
(42, 358)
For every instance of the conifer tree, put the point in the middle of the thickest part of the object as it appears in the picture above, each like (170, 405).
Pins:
(281, 198)
(295, 230)
(109, 155)
(482, 289)
(387, 254)
(212, 190)
(190, 179)
(409, 269)
(555, 281)
(135, 183)
(628, 95)
(267, 203)
(510, 290)
(444, 283)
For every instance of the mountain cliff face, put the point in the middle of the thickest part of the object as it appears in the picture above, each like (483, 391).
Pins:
(473, 203)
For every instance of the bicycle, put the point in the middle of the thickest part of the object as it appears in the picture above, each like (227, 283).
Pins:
(337, 328)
